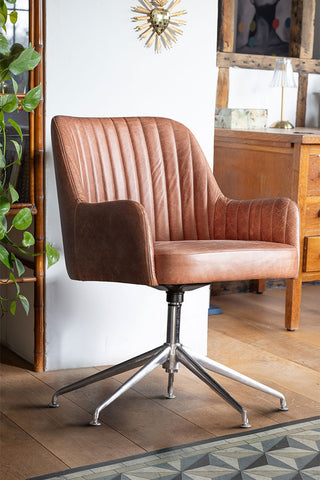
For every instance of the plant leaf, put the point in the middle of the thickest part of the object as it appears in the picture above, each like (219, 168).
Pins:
(24, 303)
(4, 45)
(12, 277)
(28, 239)
(3, 228)
(5, 257)
(23, 219)
(9, 102)
(16, 127)
(52, 254)
(27, 60)
(2, 159)
(20, 266)
(32, 99)
(4, 205)
(15, 86)
(18, 148)
(4, 74)
(13, 17)
(3, 20)
(14, 194)
(13, 306)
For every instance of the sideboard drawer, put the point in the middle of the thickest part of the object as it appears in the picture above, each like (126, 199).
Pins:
(314, 173)
(312, 254)
(312, 218)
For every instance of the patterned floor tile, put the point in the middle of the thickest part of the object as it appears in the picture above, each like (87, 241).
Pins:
(285, 452)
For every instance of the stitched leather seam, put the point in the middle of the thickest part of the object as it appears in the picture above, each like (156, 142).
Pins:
(108, 170)
(171, 236)
(166, 210)
(150, 174)
(149, 254)
(115, 180)
(105, 154)
(249, 219)
(137, 176)
(222, 252)
(192, 187)
(272, 218)
(286, 223)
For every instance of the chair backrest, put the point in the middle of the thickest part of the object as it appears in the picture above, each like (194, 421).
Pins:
(154, 161)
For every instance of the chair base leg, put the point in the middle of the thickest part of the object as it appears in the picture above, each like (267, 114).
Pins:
(162, 356)
(238, 377)
(169, 355)
(109, 372)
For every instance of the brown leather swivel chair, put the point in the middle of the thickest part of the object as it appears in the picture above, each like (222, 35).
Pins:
(139, 204)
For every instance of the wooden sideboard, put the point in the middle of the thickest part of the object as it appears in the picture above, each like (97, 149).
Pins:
(277, 163)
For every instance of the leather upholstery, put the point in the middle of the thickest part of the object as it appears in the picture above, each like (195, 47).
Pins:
(139, 204)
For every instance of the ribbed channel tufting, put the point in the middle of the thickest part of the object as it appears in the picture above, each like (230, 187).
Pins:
(156, 162)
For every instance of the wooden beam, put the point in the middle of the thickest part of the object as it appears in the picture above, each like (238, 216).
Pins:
(295, 28)
(264, 62)
(226, 21)
(302, 28)
(302, 100)
(307, 33)
(222, 88)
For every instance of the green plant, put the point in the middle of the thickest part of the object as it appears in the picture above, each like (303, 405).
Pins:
(14, 61)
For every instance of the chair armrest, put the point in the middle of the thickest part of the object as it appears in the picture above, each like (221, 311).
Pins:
(113, 243)
(270, 220)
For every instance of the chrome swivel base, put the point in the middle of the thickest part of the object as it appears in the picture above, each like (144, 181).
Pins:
(170, 355)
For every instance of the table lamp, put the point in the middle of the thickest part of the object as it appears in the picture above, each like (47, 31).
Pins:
(283, 77)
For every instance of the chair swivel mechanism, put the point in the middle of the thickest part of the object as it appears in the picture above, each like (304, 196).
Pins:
(145, 188)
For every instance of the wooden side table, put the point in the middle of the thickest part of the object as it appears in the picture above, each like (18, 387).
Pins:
(277, 163)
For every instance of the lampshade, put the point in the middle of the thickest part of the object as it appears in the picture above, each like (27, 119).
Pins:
(283, 73)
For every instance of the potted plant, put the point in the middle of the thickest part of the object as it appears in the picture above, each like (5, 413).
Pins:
(15, 61)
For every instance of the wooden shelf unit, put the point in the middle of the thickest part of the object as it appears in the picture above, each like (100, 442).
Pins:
(300, 50)
(36, 183)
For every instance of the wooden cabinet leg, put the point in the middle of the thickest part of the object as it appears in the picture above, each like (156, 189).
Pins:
(293, 300)
(260, 286)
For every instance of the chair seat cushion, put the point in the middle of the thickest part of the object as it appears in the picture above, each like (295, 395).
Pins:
(205, 261)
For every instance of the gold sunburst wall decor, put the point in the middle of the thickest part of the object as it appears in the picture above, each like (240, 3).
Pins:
(160, 26)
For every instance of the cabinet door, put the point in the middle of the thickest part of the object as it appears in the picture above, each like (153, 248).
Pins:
(314, 171)
(312, 254)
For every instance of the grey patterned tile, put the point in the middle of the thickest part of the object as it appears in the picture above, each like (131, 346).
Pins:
(286, 452)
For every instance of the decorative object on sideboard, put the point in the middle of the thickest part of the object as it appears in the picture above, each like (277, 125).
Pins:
(283, 77)
(160, 25)
(247, 119)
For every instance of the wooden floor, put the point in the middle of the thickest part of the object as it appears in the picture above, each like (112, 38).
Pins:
(249, 336)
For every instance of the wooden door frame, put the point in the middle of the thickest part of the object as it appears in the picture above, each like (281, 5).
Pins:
(37, 183)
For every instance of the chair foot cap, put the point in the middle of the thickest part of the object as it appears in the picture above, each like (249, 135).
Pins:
(53, 405)
(170, 395)
(95, 423)
(246, 425)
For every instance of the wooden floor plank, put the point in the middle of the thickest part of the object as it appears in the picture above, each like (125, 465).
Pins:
(63, 431)
(22, 456)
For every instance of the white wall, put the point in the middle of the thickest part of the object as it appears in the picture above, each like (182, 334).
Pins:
(251, 89)
(95, 65)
